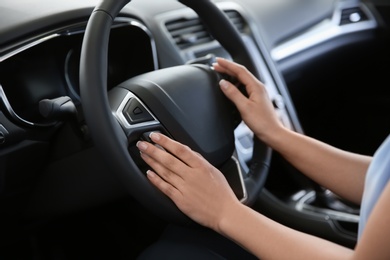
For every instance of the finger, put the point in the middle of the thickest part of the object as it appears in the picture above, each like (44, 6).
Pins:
(182, 152)
(233, 93)
(169, 176)
(171, 191)
(252, 84)
(159, 159)
(236, 70)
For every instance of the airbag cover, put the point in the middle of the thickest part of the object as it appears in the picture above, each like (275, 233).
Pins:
(190, 105)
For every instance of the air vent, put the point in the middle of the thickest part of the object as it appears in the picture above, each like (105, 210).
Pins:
(238, 21)
(190, 32)
(352, 15)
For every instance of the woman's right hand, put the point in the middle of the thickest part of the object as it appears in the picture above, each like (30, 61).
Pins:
(256, 110)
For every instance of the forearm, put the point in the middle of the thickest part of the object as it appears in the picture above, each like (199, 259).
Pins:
(270, 240)
(340, 171)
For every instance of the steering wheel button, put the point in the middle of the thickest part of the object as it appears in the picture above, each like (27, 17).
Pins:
(136, 113)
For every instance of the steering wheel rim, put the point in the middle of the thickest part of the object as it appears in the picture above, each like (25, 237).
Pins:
(108, 134)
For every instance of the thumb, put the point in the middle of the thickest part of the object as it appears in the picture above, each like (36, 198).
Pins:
(232, 93)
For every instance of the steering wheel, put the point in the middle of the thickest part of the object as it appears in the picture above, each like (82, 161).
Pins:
(190, 109)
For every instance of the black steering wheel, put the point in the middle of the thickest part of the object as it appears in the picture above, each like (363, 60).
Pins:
(183, 102)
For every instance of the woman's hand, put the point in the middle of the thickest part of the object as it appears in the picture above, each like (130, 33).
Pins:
(197, 188)
(256, 110)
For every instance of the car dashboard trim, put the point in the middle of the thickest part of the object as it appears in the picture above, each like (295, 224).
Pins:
(69, 30)
(326, 30)
(28, 46)
(6, 104)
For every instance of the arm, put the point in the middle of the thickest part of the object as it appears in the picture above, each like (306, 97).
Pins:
(190, 181)
(270, 240)
(338, 170)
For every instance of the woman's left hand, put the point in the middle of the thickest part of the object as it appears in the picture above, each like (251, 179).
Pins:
(197, 188)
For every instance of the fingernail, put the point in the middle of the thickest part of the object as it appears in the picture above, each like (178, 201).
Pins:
(224, 84)
(141, 146)
(150, 174)
(155, 137)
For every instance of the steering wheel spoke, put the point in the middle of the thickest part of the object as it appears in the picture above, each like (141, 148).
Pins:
(132, 114)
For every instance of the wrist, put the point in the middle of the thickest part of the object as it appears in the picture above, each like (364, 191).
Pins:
(230, 218)
(274, 137)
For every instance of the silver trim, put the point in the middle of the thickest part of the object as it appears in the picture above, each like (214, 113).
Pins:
(121, 117)
(324, 31)
(12, 113)
(71, 30)
(244, 191)
(28, 46)
(302, 205)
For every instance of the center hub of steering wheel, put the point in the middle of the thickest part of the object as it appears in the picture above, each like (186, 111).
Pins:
(191, 108)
